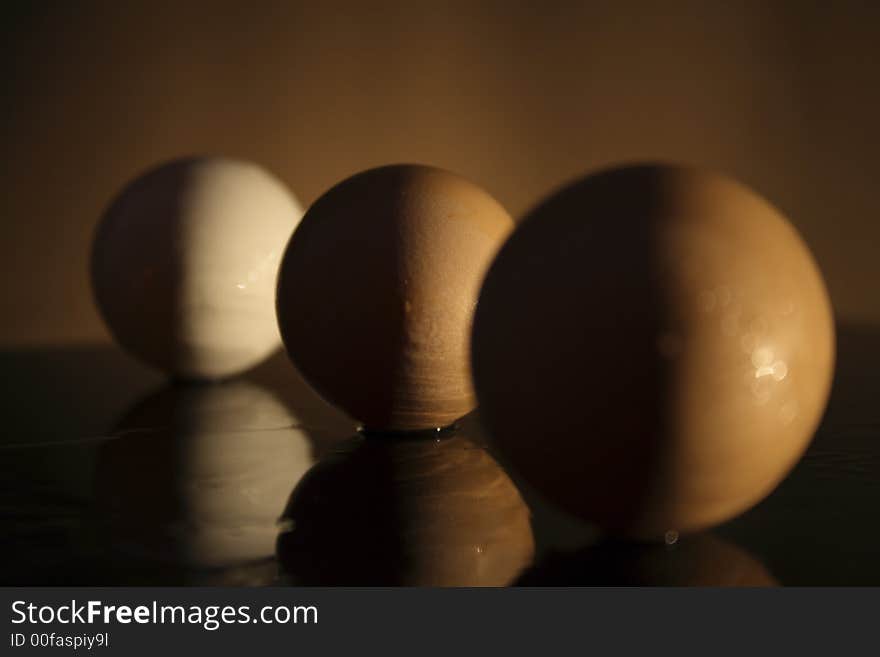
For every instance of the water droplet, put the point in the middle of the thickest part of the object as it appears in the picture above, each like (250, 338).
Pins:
(780, 370)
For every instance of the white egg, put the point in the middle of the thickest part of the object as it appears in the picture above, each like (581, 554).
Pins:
(185, 261)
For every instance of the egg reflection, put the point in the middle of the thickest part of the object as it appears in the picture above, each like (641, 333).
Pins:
(385, 511)
(697, 560)
(196, 477)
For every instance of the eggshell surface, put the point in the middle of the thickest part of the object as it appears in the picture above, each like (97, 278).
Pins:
(653, 349)
(377, 290)
(184, 265)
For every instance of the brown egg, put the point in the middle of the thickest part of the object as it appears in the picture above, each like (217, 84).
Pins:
(653, 349)
(377, 290)
(389, 512)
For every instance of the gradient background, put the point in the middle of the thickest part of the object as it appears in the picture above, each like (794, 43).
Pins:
(520, 97)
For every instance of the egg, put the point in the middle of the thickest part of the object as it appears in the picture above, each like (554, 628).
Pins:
(377, 290)
(653, 349)
(184, 265)
(389, 512)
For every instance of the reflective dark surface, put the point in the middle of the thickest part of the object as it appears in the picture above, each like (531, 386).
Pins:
(111, 475)
(699, 560)
(412, 512)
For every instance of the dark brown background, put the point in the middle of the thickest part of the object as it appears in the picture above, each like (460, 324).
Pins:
(518, 96)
